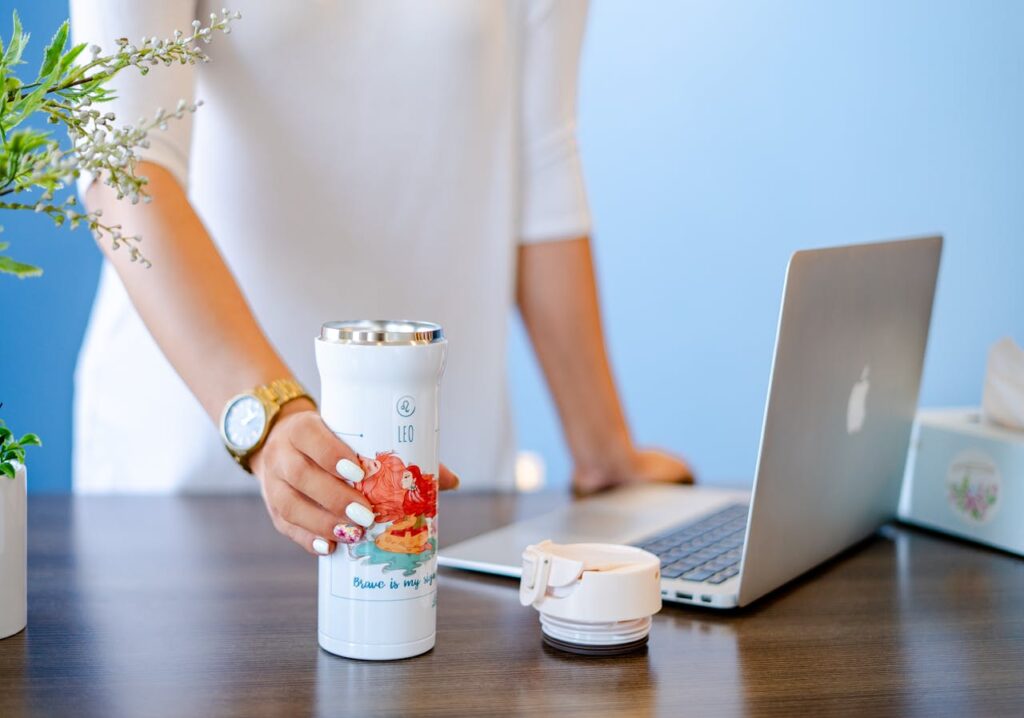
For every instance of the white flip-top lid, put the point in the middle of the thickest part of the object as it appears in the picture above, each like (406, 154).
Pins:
(591, 582)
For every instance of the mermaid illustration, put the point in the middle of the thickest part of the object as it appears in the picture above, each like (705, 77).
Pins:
(404, 500)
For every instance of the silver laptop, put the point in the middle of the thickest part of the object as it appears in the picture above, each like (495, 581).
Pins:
(841, 400)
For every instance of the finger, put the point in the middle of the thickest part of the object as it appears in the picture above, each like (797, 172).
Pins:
(313, 545)
(691, 474)
(295, 509)
(314, 439)
(680, 475)
(447, 479)
(683, 473)
(309, 542)
(581, 491)
(656, 465)
(324, 489)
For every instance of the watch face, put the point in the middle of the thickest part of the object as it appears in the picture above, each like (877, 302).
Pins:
(244, 422)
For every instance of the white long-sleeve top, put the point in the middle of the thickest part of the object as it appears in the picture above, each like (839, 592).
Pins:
(352, 159)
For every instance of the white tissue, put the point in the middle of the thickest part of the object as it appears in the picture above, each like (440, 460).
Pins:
(1002, 401)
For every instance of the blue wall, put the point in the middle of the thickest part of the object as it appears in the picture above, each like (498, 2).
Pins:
(43, 319)
(717, 139)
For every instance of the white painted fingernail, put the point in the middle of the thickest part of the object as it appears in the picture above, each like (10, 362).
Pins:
(359, 513)
(321, 547)
(350, 471)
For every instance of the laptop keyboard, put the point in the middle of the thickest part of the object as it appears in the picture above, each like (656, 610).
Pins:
(706, 550)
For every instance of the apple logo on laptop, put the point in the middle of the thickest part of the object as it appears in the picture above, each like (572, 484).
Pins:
(856, 408)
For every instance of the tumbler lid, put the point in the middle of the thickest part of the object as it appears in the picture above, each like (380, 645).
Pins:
(594, 599)
(381, 332)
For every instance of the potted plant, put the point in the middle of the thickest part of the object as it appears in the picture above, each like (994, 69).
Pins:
(37, 171)
(13, 530)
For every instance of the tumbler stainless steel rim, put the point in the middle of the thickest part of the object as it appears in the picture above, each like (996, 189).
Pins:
(381, 332)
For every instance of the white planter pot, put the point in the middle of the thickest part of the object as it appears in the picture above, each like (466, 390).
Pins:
(13, 554)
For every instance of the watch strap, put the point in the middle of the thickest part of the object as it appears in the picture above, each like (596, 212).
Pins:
(274, 395)
(280, 391)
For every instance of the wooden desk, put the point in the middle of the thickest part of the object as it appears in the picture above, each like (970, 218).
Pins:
(195, 607)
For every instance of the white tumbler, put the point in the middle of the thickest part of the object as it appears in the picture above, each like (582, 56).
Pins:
(379, 385)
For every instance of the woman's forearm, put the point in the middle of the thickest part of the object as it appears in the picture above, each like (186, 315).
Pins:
(557, 298)
(195, 310)
(188, 298)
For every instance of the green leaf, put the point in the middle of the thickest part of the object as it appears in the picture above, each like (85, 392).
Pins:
(18, 269)
(70, 56)
(28, 140)
(5, 434)
(7, 469)
(51, 56)
(30, 440)
(12, 55)
(71, 74)
(31, 102)
(14, 453)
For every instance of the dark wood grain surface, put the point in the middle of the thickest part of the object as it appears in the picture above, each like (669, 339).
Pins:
(195, 607)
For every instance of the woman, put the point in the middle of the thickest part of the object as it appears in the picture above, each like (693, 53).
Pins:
(356, 158)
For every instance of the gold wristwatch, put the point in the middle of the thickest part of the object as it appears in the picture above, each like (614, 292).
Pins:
(247, 418)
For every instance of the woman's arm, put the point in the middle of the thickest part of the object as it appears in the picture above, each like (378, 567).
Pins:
(556, 291)
(557, 298)
(198, 315)
(188, 299)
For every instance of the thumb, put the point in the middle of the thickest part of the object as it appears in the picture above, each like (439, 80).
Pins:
(447, 479)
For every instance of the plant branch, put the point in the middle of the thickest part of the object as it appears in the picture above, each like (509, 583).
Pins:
(34, 167)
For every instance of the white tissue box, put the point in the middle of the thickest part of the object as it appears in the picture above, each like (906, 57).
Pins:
(966, 477)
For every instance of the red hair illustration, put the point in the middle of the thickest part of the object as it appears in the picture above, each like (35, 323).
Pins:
(421, 493)
(383, 485)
